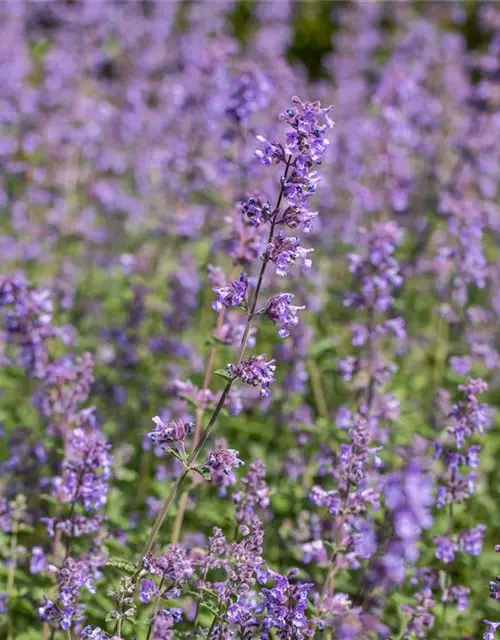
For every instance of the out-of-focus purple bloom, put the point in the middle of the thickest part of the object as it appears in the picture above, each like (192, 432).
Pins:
(147, 589)
(420, 617)
(461, 364)
(38, 561)
(470, 541)
(445, 549)
(253, 495)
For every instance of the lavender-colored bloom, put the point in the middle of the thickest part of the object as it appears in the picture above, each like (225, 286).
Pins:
(256, 371)
(470, 541)
(173, 566)
(280, 310)
(249, 92)
(3, 603)
(284, 605)
(408, 495)
(167, 433)
(163, 628)
(284, 251)
(38, 561)
(224, 460)
(87, 469)
(489, 634)
(73, 576)
(420, 616)
(461, 364)
(253, 495)
(457, 595)
(147, 590)
(469, 416)
(232, 295)
(445, 549)
(255, 211)
(94, 633)
(376, 269)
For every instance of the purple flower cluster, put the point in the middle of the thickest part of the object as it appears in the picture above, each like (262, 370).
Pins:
(172, 432)
(256, 371)
(233, 295)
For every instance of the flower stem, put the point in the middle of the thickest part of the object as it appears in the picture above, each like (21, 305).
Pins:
(208, 429)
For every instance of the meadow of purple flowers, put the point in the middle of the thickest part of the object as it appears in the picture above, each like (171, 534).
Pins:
(249, 316)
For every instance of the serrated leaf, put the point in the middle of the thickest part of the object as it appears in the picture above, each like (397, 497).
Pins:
(209, 607)
(122, 565)
(222, 373)
(175, 452)
(204, 472)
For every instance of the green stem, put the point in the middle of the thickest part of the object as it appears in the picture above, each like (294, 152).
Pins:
(208, 429)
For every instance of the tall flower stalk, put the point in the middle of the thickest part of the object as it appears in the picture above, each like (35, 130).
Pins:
(304, 147)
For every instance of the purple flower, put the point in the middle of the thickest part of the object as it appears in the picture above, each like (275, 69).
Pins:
(469, 416)
(255, 370)
(284, 605)
(269, 151)
(420, 616)
(254, 494)
(94, 633)
(457, 595)
(470, 541)
(445, 549)
(280, 310)
(255, 212)
(298, 216)
(492, 627)
(232, 295)
(173, 566)
(408, 495)
(224, 460)
(147, 589)
(284, 251)
(461, 364)
(170, 432)
(249, 92)
(38, 561)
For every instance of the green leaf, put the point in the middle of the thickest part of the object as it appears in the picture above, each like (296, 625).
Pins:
(122, 565)
(204, 471)
(222, 373)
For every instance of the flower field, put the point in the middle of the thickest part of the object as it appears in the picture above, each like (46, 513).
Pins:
(249, 320)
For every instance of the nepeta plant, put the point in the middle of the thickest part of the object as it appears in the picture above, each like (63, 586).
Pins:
(223, 415)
